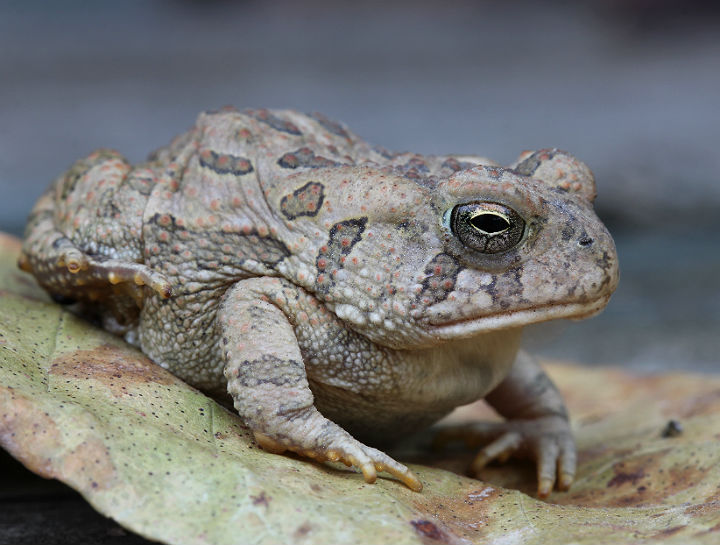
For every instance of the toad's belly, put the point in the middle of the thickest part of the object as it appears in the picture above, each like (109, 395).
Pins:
(373, 420)
(428, 385)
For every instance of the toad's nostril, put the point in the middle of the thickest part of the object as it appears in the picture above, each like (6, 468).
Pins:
(585, 241)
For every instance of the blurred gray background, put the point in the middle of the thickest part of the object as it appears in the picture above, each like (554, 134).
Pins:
(631, 87)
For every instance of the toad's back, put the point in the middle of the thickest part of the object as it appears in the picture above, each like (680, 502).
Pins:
(194, 210)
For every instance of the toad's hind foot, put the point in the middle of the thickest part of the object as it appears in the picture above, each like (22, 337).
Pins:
(117, 272)
(350, 452)
(68, 269)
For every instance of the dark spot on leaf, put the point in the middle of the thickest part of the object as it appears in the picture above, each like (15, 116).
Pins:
(429, 530)
(672, 429)
(621, 478)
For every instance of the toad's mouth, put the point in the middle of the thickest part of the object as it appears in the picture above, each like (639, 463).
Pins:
(516, 318)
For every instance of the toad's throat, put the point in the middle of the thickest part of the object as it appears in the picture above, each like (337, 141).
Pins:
(517, 318)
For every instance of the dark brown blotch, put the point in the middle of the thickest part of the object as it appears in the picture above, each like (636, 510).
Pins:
(530, 164)
(225, 163)
(344, 236)
(440, 277)
(304, 157)
(277, 123)
(415, 169)
(506, 289)
(304, 201)
(142, 181)
(455, 165)
(330, 125)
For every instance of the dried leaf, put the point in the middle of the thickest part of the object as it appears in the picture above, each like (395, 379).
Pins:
(78, 405)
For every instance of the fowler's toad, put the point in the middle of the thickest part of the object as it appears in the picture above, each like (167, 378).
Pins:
(338, 292)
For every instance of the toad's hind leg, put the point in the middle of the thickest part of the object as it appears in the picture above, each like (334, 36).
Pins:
(267, 381)
(82, 241)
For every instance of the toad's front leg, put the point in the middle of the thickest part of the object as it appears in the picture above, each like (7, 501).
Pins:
(266, 378)
(536, 427)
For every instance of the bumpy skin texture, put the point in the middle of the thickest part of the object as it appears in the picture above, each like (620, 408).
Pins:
(337, 292)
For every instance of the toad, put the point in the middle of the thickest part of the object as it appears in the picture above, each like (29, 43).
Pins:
(342, 295)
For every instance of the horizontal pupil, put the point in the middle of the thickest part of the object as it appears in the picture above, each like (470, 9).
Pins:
(490, 223)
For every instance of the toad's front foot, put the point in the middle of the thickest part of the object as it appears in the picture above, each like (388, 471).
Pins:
(548, 440)
(320, 439)
(266, 378)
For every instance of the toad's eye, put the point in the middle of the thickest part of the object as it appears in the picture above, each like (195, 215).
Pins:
(487, 227)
